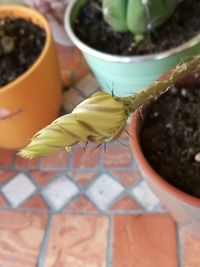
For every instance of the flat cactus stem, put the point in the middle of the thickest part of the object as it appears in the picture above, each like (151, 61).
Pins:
(132, 103)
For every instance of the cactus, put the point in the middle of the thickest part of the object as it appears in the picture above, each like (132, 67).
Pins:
(86, 123)
(137, 16)
(100, 118)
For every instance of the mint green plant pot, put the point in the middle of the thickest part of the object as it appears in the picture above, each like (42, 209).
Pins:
(127, 75)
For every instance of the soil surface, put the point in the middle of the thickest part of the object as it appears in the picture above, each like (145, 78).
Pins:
(170, 138)
(21, 42)
(182, 26)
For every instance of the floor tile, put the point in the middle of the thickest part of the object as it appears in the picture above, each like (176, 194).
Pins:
(71, 98)
(85, 158)
(6, 175)
(57, 161)
(127, 178)
(82, 71)
(78, 241)
(43, 177)
(82, 177)
(124, 137)
(22, 163)
(6, 157)
(80, 204)
(73, 66)
(59, 192)
(76, 94)
(75, 59)
(66, 76)
(88, 85)
(144, 241)
(64, 50)
(104, 191)
(126, 203)
(142, 193)
(18, 189)
(76, 189)
(21, 236)
(117, 156)
(3, 202)
(79, 65)
(36, 202)
(191, 248)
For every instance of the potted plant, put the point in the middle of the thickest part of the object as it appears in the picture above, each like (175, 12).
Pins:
(102, 118)
(129, 44)
(166, 147)
(30, 84)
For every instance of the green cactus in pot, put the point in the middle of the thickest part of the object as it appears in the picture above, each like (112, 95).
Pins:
(137, 16)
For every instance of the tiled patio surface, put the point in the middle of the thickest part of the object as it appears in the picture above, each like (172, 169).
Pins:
(88, 209)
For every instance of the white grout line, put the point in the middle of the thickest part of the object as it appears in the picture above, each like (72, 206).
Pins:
(45, 243)
(85, 213)
(109, 258)
(179, 247)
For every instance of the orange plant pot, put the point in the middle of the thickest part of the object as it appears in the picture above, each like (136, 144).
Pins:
(184, 208)
(33, 100)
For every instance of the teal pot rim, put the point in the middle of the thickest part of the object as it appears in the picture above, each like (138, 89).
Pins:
(121, 59)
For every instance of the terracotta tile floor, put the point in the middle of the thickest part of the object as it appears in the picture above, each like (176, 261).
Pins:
(85, 210)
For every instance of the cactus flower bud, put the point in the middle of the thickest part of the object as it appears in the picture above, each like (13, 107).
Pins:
(100, 118)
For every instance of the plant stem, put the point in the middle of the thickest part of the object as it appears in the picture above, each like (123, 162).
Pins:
(132, 103)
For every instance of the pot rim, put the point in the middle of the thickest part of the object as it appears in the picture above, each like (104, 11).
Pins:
(134, 129)
(121, 59)
(29, 13)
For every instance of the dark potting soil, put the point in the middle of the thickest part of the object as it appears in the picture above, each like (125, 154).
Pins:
(21, 42)
(170, 138)
(182, 26)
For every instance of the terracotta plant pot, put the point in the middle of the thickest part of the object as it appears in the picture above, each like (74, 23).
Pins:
(183, 207)
(33, 100)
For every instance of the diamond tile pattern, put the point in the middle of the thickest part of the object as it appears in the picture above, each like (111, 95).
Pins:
(88, 210)
(59, 192)
(104, 190)
(18, 189)
(144, 196)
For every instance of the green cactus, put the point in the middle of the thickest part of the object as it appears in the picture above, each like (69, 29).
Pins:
(137, 16)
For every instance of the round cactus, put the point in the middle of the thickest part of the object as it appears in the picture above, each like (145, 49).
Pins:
(137, 16)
